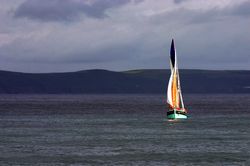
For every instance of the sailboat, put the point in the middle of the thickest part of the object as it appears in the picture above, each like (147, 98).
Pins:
(174, 96)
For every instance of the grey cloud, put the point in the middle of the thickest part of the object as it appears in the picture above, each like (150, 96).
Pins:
(207, 39)
(179, 1)
(51, 52)
(188, 16)
(198, 16)
(242, 9)
(66, 10)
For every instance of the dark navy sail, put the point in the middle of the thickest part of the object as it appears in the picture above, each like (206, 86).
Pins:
(172, 53)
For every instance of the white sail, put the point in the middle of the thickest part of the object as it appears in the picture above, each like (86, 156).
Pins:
(169, 92)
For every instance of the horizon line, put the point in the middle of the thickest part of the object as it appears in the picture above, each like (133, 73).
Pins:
(54, 72)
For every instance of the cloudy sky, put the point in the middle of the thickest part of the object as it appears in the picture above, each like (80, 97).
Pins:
(71, 35)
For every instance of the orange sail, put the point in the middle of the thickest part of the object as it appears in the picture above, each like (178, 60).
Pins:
(174, 90)
(175, 93)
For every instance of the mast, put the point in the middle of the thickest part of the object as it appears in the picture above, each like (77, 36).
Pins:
(179, 89)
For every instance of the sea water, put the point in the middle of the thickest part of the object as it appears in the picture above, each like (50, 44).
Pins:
(123, 130)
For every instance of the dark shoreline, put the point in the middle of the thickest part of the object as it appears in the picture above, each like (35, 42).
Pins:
(148, 81)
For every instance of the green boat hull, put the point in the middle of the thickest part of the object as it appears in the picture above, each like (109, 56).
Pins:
(173, 114)
(177, 116)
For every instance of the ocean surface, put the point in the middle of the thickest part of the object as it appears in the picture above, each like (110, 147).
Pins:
(123, 130)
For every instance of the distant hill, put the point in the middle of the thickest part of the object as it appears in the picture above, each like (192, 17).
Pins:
(134, 81)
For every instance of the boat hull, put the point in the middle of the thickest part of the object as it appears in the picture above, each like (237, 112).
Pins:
(176, 114)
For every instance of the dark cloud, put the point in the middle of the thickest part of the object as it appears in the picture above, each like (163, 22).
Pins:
(179, 1)
(66, 10)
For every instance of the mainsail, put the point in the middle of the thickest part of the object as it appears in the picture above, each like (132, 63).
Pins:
(174, 96)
